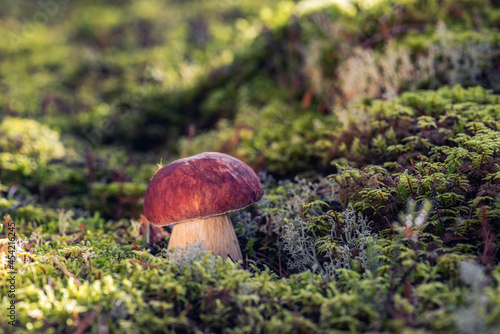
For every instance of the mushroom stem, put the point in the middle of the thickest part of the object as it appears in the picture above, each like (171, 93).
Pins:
(216, 233)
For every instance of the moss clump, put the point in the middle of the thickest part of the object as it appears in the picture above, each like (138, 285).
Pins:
(28, 139)
(121, 288)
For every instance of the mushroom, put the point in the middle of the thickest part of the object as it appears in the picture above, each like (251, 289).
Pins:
(196, 194)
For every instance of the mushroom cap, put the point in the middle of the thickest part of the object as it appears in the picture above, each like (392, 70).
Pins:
(204, 185)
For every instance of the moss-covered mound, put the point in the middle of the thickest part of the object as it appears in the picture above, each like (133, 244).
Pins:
(424, 165)
(432, 159)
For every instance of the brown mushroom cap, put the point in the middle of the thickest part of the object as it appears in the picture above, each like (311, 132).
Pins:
(204, 185)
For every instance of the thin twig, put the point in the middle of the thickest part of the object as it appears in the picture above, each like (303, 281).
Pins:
(89, 319)
(79, 235)
(81, 271)
(142, 263)
(64, 270)
(390, 225)
(393, 31)
(58, 234)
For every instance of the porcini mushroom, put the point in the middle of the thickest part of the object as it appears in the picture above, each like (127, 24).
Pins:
(196, 194)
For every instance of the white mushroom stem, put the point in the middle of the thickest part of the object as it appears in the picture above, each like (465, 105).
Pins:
(216, 233)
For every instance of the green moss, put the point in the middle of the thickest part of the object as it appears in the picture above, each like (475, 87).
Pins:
(30, 139)
(199, 292)
(401, 237)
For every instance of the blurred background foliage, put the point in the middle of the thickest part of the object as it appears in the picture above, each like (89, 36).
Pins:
(257, 79)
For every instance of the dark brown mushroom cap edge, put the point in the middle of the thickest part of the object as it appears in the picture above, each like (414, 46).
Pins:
(201, 186)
